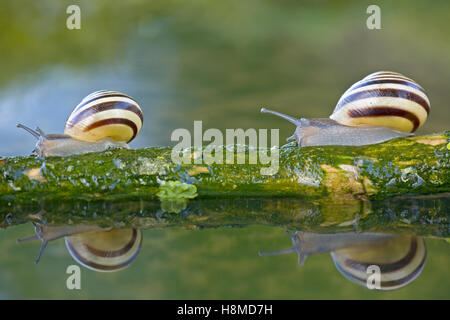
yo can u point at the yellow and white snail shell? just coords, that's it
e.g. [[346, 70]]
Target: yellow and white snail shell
[[106, 251], [104, 114], [400, 261], [386, 99]]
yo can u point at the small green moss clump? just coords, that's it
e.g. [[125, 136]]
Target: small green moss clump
[[176, 190]]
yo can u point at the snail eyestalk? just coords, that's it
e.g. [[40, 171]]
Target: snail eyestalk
[[41, 251], [35, 237], [276, 253], [35, 133], [281, 115], [41, 133], [43, 246], [295, 249]]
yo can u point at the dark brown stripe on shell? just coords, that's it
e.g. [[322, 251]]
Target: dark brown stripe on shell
[[393, 283], [112, 94], [395, 93], [104, 107], [385, 111], [117, 253], [105, 122], [404, 82], [388, 267]]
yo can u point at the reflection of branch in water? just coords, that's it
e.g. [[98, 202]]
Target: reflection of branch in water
[[425, 216], [400, 259], [96, 248]]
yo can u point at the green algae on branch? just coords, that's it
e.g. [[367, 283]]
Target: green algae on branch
[[176, 190], [416, 165]]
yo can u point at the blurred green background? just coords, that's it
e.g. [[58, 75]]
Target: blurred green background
[[216, 61]]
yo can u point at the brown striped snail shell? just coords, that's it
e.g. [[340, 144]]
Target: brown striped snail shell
[[107, 251], [96, 248], [382, 106], [400, 258], [101, 120]]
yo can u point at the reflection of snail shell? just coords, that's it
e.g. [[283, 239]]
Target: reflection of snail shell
[[400, 258], [106, 251], [96, 248], [399, 265]]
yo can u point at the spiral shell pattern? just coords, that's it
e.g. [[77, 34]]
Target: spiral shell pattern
[[105, 114], [400, 260], [105, 251], [386, 99]]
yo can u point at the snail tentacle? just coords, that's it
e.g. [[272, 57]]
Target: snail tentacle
[[281, 115], [34, 133]]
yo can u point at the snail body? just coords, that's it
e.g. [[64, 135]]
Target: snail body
[[49, 233], [96, 248], [400, 258], [382, 106], [102, 120]]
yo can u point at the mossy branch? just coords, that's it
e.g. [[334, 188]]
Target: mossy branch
[[417, 165]]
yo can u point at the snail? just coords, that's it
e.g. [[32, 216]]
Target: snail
[[400, 258], [105, 251], [96, 248], [102, 120], [382, 106]]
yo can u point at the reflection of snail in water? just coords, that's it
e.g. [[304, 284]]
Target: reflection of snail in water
[[400, 258], [101, 120], [382, 106], [93, 247]]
